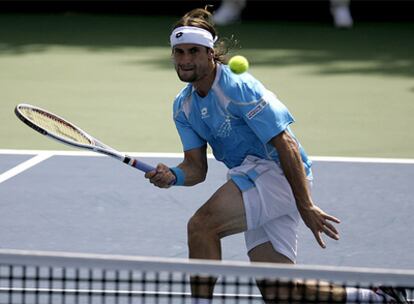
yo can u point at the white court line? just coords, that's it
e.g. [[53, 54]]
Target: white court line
[[363, 160], [180, 155], [90, 153], [24, 166]]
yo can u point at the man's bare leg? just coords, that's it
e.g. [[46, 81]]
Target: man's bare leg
[[222, 215], [292, 292]]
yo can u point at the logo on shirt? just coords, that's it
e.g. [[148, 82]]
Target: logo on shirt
[[225, 128], [204, 113], [257, 109]]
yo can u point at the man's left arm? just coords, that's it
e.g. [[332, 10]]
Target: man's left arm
[[290, 159]]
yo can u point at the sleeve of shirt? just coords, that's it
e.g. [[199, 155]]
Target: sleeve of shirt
[[189, 138], [267, 117]]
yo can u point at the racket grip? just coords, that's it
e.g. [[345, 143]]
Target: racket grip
[[138, 164], [143, 166]]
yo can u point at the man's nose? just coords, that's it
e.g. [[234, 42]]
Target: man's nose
[[187, 58]]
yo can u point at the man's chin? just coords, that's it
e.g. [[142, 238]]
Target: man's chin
[[187, 77]]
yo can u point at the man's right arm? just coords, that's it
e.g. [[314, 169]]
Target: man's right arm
[[194, 167]]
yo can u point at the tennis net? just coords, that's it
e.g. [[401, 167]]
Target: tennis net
[[54, 277]]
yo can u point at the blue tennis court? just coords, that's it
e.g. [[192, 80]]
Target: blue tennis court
[[82, 202]]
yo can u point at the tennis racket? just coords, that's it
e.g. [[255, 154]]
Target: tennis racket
[[58, 128]]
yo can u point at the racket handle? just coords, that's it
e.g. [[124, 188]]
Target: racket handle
[[138, 164], [142, 166]]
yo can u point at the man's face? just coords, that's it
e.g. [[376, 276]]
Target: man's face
[[192, 61]]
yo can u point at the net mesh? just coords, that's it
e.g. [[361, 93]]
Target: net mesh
[[54, 125], [40, 277]]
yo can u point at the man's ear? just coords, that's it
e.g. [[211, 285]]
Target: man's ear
[[210, 53]]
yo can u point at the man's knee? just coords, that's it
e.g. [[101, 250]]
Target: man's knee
[[200, 225]]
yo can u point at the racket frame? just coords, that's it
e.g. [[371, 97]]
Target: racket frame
[[95, 145]]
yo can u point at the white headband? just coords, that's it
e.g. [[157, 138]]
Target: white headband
[[193, 35]]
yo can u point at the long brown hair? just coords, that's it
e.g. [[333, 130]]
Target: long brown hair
[[202, 18]]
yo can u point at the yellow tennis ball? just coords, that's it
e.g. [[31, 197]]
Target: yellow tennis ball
[[238, 64]]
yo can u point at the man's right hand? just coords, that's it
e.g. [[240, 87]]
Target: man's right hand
[[161, 177]]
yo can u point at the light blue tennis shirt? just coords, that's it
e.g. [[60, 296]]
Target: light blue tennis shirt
[[238, 117]]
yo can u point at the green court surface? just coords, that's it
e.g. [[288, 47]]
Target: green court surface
[[351, 92]]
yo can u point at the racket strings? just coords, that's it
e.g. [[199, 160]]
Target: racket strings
[[55, 125]]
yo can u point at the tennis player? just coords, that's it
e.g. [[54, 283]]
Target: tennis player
[[269, 177]]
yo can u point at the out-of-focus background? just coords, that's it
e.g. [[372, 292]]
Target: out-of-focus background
[[99, 62]]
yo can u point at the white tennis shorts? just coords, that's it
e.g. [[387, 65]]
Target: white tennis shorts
[[270, 206]]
